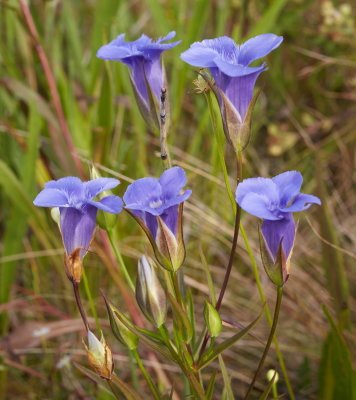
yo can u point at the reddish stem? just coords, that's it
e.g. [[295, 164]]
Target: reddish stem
[[52, 85]]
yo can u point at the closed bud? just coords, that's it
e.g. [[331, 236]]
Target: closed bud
[[212, 320], [150, 295], [120, 331], [73, 266], [278, 268], [99, 356], [271, 373]]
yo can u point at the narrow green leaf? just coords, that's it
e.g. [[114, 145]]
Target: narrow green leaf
[[207, 359], [337, 379], [227, 381], [182, 320], [158, 346], [210, 388]]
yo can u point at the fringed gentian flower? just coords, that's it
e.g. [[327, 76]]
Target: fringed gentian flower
[[78, 213], [157, 206], [229, 66], [143, 56], [274, 200]]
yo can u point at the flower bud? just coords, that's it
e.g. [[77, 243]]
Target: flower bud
[[99, 356], [150, 295], [212, 319], [277, 268], [270, 374], [73, 266], [120, 331]]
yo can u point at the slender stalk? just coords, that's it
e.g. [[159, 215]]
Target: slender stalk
[[232, 253], [149, 381], [268, 314], [269, 341], [254, 265], [133, 370], [194, 383], [177, 293], [220, 150], [234, 241], [91, 302], [79, 305], [114, 391], [52, 85], [275, 391], [120, 259], [165, 157]]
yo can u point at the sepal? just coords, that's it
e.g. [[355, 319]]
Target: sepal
[[278, 268], [160, 258], [237, 132], [172, 247], [151, 339], [99, 356], [150, 110], [120, 330], [73, 266], [169, 250]]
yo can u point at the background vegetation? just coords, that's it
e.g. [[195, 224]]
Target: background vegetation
[[304, 120]]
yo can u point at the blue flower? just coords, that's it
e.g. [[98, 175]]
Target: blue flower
[[77, 208], [229, 65], [156, 205], [275, 200], [143, 58], [150, 197]]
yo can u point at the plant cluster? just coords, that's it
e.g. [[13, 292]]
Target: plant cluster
[[157, 206]]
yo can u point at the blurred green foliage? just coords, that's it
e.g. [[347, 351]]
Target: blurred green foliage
[[304, 119]]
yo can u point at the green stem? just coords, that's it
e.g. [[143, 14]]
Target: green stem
[[248, 248], [269, 341], [268, 313], [90, 298], [177, 289], [220, 150], [275, 391], [133, 370], [120, 259], [113, 389], [149, 381], [254, 265], [194, 383]]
